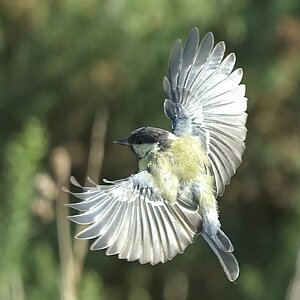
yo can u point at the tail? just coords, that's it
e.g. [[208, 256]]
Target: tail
[[223, 248]]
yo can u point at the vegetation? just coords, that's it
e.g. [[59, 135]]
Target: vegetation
[[68, 65]]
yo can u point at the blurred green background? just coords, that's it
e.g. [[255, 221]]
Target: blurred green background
[[77, 74]]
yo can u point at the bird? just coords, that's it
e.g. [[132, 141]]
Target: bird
[[155, 214]]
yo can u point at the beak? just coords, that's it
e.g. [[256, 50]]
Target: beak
[[122, 142]]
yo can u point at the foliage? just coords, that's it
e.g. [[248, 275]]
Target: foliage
[[22, 156]]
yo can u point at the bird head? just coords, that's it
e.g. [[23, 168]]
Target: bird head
[[147, 139]]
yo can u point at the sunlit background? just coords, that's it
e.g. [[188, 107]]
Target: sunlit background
[[77, 74]]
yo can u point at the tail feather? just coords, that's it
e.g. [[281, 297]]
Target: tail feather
[[223, 248], [222, 241]]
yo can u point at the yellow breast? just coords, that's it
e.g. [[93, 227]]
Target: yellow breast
[[183, 162], [190, 158]]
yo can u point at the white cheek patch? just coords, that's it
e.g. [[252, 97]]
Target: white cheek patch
[[142, 149]]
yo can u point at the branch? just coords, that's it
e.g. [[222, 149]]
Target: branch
[[93, 170], [61, 163]]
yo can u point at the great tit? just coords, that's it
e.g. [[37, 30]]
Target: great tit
[[153, 215]]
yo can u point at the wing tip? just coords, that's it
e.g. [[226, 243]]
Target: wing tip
[[65, 189], [166, 85], [74, 181], [209, 35], [239, 71], [91, 181], [77, 236], [177, 46], [221, 45], [74, 220], [232, 56], [194, 34], [195, 29]]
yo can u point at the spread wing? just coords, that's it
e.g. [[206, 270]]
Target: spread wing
[[207, 100], [130, 218]]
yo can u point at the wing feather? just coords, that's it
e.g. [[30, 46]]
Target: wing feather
[[156, 239], [162, 234], [147, 252], [128, 234], [136, 251], [106, 240], [130, 218], [170, 232], [119, 238], [204, 50], [207, 100], [188, 57]]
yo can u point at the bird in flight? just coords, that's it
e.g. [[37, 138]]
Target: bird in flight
[[155, 214]]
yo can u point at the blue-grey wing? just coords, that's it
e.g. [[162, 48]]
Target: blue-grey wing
[[130, 218], [206, 99]]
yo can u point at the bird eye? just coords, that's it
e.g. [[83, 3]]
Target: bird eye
[[138, 142]]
